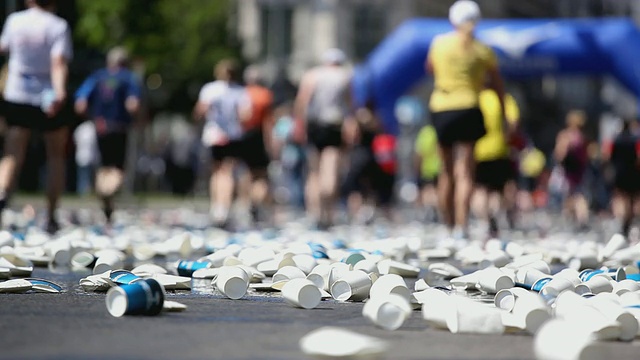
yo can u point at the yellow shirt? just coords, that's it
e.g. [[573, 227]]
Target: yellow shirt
[[459, 73], [427, 148], [493, 146]]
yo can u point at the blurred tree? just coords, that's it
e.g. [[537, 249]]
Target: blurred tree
[[180, 40]]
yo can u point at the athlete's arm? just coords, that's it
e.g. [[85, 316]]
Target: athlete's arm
[[202, 106], [560, 150], [134, 94], [497, 84], [61, 53], [83, 94], [304, 97]]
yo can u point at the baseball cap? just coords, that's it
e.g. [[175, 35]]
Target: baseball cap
[[463, 11]]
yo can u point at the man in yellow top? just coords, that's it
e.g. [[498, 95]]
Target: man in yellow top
[[494, 168], [460, 64], [427, 164]]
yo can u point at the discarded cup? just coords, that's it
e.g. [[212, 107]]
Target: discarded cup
[[83, 259], [388, 312], [390, 284], [107, 261], [187, 268], [340, 343], [232, 281], [354, 286], [595, 285], [302, 293], [123, 277], [143, 297], [492, 280]]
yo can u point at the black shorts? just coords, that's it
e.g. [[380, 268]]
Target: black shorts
[[494, 175], [422, 182], [366, 176], [231, 150], [252, 150], [458, 126], [627, 181], [31, 117], [113, 149], [324, 136]]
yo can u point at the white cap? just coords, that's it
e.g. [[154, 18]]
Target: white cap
[[334, 56], [463, 11]]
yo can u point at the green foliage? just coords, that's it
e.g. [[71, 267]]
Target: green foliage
[[179, 39]]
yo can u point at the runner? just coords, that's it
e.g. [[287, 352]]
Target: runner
[[224, 105], [255, 141], [460, 64], [39, 46], [571, 155], [110, 97], [86, 156], [323, 103], [494, 169], [623, 156], [371, 169], [427, 163]]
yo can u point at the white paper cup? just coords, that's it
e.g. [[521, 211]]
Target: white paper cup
[[497, 258], [388, 312], [528, 276], [569, 274], [595, 285], [630, 299], [492, 280], [556, 286], [444, 270], [472, 317], [577, 309], [437, 307], [232, 282], [338, 271], [107, 261], [367, 265], [505, 299], [82, 259], [301, 293], [288, 273], [59, 251], [562, 339], [612, 309], [305, 262], [587, 261], [528, 313], [390, 284], [254, 256], [354, 286], [320, 276], [617, 242]]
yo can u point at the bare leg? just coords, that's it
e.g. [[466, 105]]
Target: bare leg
[[221, 188], [446, 186], [464, 177], [621, 205], [328, 178], [14, 151], [312, 186], [55, 143], [108, 183], [581, 208]]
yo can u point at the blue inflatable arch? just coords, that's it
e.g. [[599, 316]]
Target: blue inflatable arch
[[526, 48]]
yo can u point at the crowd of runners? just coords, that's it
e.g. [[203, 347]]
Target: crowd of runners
[[472, 157]]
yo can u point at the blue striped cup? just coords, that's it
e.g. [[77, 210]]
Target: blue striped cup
[[142, 297]]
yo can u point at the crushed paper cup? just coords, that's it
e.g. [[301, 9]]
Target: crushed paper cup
[[341, 343], [44, 286], [529, 276], [354, 286], [367, 265], [305, 262], [254, 256], [437, 307], [143, 297], [420, 285], [466, 281], [232, 282], [123, 277], [491, 280], [616, 312], [82, 260], [497, 258], [505, 299], [15, 286], [402, 269], [529, 312], [471, 317], [560, 339], [173, 306], [390, 284], [148, 270], [173, 282], [576, 309], [556, 286], [18, 266], [265, 287], [388, 312], [301, 293], [445, 270], [287, 273], [187, 268], [5, 273], [625, 286], [207, 273]]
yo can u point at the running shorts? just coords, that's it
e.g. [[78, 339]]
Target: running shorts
[[458, 126]]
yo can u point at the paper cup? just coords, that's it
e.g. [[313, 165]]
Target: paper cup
[[142, 297], [562, 339], [301, 293], [107, 261], [354, 286], [83, 259], [305, 262], [497, 258], [388, 312], [444, 270], [617, 242], [529, 276], [529, 312], [437, 307], [557, 285], [472, 317], [613, 310], [492, 280], [59, 251], [338, 271], [367, 265], [595, 285], [505, 299], [320, 276], [353, 259], [288, 273], [390, 284], [232, 282], [187, 268], [569, 274]]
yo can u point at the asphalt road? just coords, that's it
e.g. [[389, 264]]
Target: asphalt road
[[76, 325]]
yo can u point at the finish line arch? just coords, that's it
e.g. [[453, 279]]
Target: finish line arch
[[526, 48]]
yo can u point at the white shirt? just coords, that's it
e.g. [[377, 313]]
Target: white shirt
[[33, 37], [224, 101], [86, 144], [328, 103]]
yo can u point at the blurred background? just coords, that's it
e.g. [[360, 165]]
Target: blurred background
[[175, 44]]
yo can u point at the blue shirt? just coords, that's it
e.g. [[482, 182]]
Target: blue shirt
[[107, 91]]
